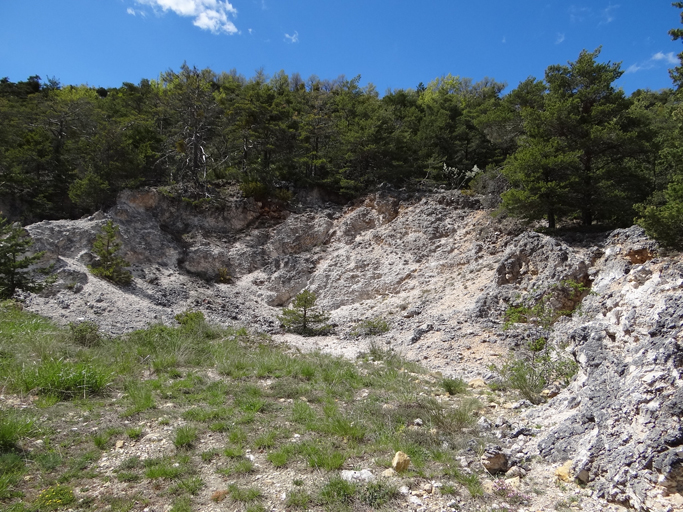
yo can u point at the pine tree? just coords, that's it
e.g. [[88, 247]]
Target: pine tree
[[14, 265], [304, 317], [110, 266]]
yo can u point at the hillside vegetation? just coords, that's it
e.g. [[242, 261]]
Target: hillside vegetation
[[571, 148], [194, 415]]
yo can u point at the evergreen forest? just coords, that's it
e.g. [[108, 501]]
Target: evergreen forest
[[570, 150]]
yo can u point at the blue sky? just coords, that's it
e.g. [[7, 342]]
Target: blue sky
[[393, 44]]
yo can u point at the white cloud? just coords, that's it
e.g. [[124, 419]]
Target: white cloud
[[560, 38], [670, 57], [130, 11], [293, 38], [250, 31], [607, 14], [578, 14], [212, 15]]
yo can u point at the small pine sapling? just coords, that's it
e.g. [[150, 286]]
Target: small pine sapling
[[303, 317], [110, 266]]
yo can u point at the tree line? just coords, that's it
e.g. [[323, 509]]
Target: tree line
[[570, 149]]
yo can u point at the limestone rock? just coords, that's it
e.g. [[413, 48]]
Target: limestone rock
[[364, 475], [477, 383], [564, 472], [494, 459], [400, 462]]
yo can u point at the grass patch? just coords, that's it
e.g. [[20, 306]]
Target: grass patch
[[306, 412], [185, 437], [244, 494], [13, 427], [455, 386]]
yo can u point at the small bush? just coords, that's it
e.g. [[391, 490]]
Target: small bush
[[55, 497], [223, 276], [371, 327], [531, 375], [85, 334], [455, 386]]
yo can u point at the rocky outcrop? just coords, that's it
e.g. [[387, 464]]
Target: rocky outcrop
[[621, 417], [441, 272]]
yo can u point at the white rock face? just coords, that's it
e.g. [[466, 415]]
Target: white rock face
[[441, 272]]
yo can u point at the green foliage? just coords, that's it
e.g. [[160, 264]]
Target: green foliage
[[85, 334], [371, 327], [582, 156], [455, 386], [541, 364], [15, 272], [531, 374], [110, 266], [298, 498], [223, 276], [185, 437], [304, 317], [558, 300], [244, 495], [134, 433], [664, 222], [65, 379], [190, 317], [13, 427], [338, 491], [377, 494], [55, 497]]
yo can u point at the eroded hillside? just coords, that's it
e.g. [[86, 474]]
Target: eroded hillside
[[442, 272]]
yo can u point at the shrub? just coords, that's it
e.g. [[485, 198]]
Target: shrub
[[371, 327], [55, 497], [530, 375], [110, 266], [663, 222], [545, 311], [304, 317], [223, 276], [85, 334], [455, 386]]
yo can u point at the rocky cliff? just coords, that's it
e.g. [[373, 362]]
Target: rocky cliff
[[441, 271]]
